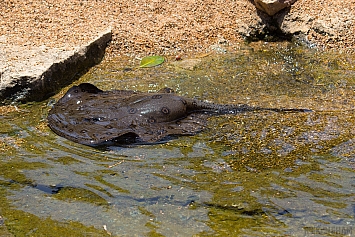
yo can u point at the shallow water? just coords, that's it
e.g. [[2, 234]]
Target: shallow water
[[250, 174]]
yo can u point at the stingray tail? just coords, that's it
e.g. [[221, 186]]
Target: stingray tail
[[285, 110], [203, 106], [230, 109]]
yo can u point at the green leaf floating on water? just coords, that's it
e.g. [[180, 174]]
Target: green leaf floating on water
[[151, 61]]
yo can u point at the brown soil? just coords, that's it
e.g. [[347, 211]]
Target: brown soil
[[156, 26]]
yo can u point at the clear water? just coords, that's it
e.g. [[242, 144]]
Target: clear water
[[250, 174]]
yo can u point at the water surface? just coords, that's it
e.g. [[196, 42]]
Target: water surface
[[250, 174]]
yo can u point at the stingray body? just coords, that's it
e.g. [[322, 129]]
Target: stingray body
[[90, 116]]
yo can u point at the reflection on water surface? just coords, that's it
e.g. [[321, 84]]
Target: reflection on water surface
[[252, 174]]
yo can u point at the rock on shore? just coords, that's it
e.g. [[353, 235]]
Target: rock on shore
[[271, 7], [35, 73]]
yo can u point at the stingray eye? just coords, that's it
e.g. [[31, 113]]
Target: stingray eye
[[151, 120], [76, 91], [156, 97], [83, 131], [132, 110], [165, 110]]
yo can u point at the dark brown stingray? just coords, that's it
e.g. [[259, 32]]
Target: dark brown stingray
[[90, 116]]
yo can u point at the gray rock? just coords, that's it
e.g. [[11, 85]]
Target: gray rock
[[295, 24], [36, 73], [291, 23]]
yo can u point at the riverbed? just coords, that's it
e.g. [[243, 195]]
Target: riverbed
[[249, 174]]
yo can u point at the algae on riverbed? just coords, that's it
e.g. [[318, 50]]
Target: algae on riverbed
[[248, 174], [20, 223]]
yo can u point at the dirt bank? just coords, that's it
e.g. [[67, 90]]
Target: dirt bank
[[165, 27]]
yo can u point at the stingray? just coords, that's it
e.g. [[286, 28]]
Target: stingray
[[90, 116]]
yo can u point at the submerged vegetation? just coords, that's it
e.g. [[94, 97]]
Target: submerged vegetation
[[248, 174]]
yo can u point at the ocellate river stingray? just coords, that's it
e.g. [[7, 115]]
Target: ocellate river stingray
[[90, 116]]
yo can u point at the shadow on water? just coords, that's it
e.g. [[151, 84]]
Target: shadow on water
[[250, 174]]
